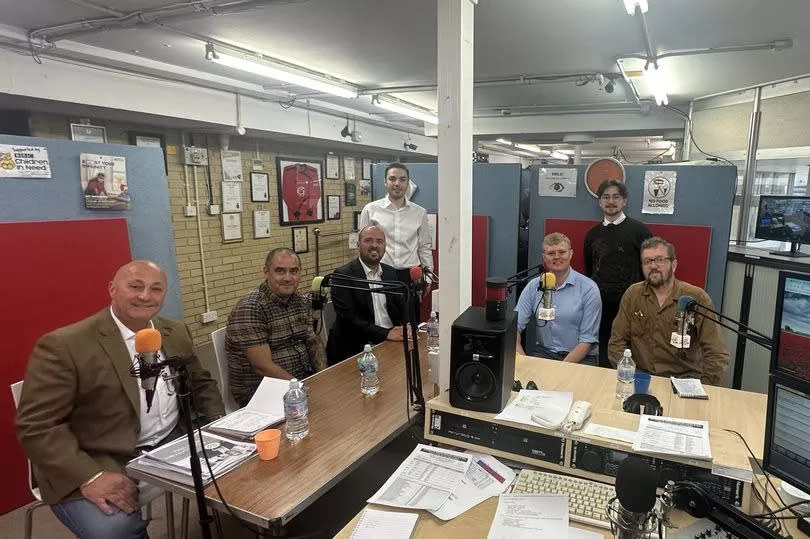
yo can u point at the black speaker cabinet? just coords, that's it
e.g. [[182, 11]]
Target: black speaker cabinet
[[482, 361]]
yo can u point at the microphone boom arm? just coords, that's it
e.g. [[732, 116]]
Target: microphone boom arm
[[743, 331]]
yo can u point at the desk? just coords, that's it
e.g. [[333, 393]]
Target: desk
[[344, 429]]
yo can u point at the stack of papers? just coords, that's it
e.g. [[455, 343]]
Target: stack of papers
[[374, 524], [265, 408], [688, 388], [486, 477], [549, 408], [672, 436], [529, 516], [173, 462]]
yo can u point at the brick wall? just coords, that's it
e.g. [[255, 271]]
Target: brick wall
[[231, 269]]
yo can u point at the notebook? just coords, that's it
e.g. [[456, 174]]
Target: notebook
[[374, 524], [688, 388]]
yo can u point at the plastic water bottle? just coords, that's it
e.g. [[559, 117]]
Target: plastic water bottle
[[625, 375], [433, 333], [296, 409], [369, 379]]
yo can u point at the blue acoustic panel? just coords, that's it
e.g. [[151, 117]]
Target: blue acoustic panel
[[60, 198]]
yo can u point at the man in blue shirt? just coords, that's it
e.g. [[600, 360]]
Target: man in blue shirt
[[573, 335]]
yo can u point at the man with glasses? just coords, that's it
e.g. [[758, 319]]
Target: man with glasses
[[612, 250], [573, 334], [647, 319]]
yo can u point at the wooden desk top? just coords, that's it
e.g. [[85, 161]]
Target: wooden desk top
[[344, 428]]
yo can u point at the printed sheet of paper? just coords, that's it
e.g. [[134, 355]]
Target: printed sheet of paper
[[551, 406], [611, 433], [530, 516], [673, 436], [425, 480], [374, 524], [485, 478]]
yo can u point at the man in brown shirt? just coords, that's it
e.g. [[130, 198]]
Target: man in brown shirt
[[647, 318]]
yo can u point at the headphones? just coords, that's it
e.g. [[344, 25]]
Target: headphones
[[651, 405]]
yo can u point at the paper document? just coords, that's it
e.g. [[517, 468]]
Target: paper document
[[689, 388], [577, 533], [374, 524], [425, 480], [611, 433], [673, 436], [549, 406], [530, 516], [265, 408], [485, 478]]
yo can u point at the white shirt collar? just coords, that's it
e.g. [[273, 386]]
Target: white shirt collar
[[389, 202], [370, 272], [618, 220], [126, 333]]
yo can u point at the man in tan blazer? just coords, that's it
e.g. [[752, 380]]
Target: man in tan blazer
[[82, 416]]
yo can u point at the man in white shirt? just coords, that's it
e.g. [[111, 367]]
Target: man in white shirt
[[404, 223], [82, 415], [364, 317]]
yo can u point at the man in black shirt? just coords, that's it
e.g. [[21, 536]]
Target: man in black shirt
[[612, 255]]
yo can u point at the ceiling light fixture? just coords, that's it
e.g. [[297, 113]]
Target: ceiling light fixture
[[559, 155], [630, 6], [404, 108], [654, 76], [264, 68], [503, 141]]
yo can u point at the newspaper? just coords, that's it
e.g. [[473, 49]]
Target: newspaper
[[425, 480], [173, 459]]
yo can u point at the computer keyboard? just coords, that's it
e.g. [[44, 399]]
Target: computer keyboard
[[587, 500]]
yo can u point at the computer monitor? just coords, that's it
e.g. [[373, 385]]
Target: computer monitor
[[791, 331], [787, 446], [784, 218]]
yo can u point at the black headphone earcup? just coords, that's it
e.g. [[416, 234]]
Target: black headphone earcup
[[652, 406]]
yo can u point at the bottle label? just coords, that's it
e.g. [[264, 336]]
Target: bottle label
[[297, 411]]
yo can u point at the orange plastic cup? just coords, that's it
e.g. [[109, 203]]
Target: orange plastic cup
[[267, 442]]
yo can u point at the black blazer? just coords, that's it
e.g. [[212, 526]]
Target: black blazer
[[354, 323]]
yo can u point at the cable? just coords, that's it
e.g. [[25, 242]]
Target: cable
[[692, 135]]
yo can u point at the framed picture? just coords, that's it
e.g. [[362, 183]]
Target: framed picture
[[333, 207], [149, 140], [261, 224], [231, 227], [349, 166], [300, 239], [259, 187], [300, 191], [332, 166], [351, 194], [356, 220], [367, 164], [231, 197], [88, 133]]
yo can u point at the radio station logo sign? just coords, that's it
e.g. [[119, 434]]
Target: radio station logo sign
[[659, 191], [24, 162]]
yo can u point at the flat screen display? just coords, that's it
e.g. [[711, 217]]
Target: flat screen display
[[787, 446], [784, 218], [791, 354]]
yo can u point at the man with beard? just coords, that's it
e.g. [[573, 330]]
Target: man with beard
[[612, 252], [362, 317], [647, 318]]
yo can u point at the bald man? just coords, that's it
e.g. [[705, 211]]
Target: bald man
[[82, 416]]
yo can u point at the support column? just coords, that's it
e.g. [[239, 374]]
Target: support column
[[750, 168], [455, 98]]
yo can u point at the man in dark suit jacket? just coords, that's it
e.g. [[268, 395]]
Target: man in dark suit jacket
[[82, 416], [363, 317]]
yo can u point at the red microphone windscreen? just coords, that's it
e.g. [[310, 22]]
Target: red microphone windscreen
[[497, 289], [147, 341], [416, 273]]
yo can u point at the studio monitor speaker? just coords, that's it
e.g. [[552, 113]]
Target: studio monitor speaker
[[482, 361]]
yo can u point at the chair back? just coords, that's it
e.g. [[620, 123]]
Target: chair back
[[16, 393], [218, 339]]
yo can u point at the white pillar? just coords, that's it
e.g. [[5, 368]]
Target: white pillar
[[578, 154], [455, 98]]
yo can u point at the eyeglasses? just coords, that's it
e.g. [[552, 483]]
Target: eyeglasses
[[608, 198], [561, 252], [659, 260]]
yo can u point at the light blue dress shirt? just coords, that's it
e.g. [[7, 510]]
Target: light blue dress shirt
[[578, 311]]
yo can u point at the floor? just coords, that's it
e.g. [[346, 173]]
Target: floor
[[322, 519]]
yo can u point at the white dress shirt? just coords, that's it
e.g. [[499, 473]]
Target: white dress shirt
[[381, 317], [618, 220], [163, 416], [407, 232]]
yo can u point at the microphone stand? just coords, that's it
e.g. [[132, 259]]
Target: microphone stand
[[179, 375]]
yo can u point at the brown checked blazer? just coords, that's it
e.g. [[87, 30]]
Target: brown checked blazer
[[79, 410]]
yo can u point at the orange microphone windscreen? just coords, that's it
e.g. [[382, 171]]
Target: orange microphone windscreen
[[147, 341]]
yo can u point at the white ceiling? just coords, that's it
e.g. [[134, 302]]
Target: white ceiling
[[375, 43]]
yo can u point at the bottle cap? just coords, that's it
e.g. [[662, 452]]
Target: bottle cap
[[294, 383], [367, 348], [432, 314], [627, 352]]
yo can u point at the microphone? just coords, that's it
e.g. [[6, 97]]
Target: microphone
[[147, 346], [631, 512], [547, 283], [434, 277], [497, 292], [317, 297], [418, 279], [685, 318]]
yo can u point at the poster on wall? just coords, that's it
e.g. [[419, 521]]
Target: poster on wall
[[332, 166], [659, 191], [300, 190], [261, 224], [103, 181], [365, 187], [558, 182], [351, 194], [231, 197], [349, 169], [231, 166], [24, 162]]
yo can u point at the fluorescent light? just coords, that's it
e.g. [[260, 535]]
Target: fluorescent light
[[265, 69], [654, 77], [405, 108], [630, 6], [503, 141], [559, 155], [528, 147]]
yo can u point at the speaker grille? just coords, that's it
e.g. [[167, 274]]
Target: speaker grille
[[475, 381]]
